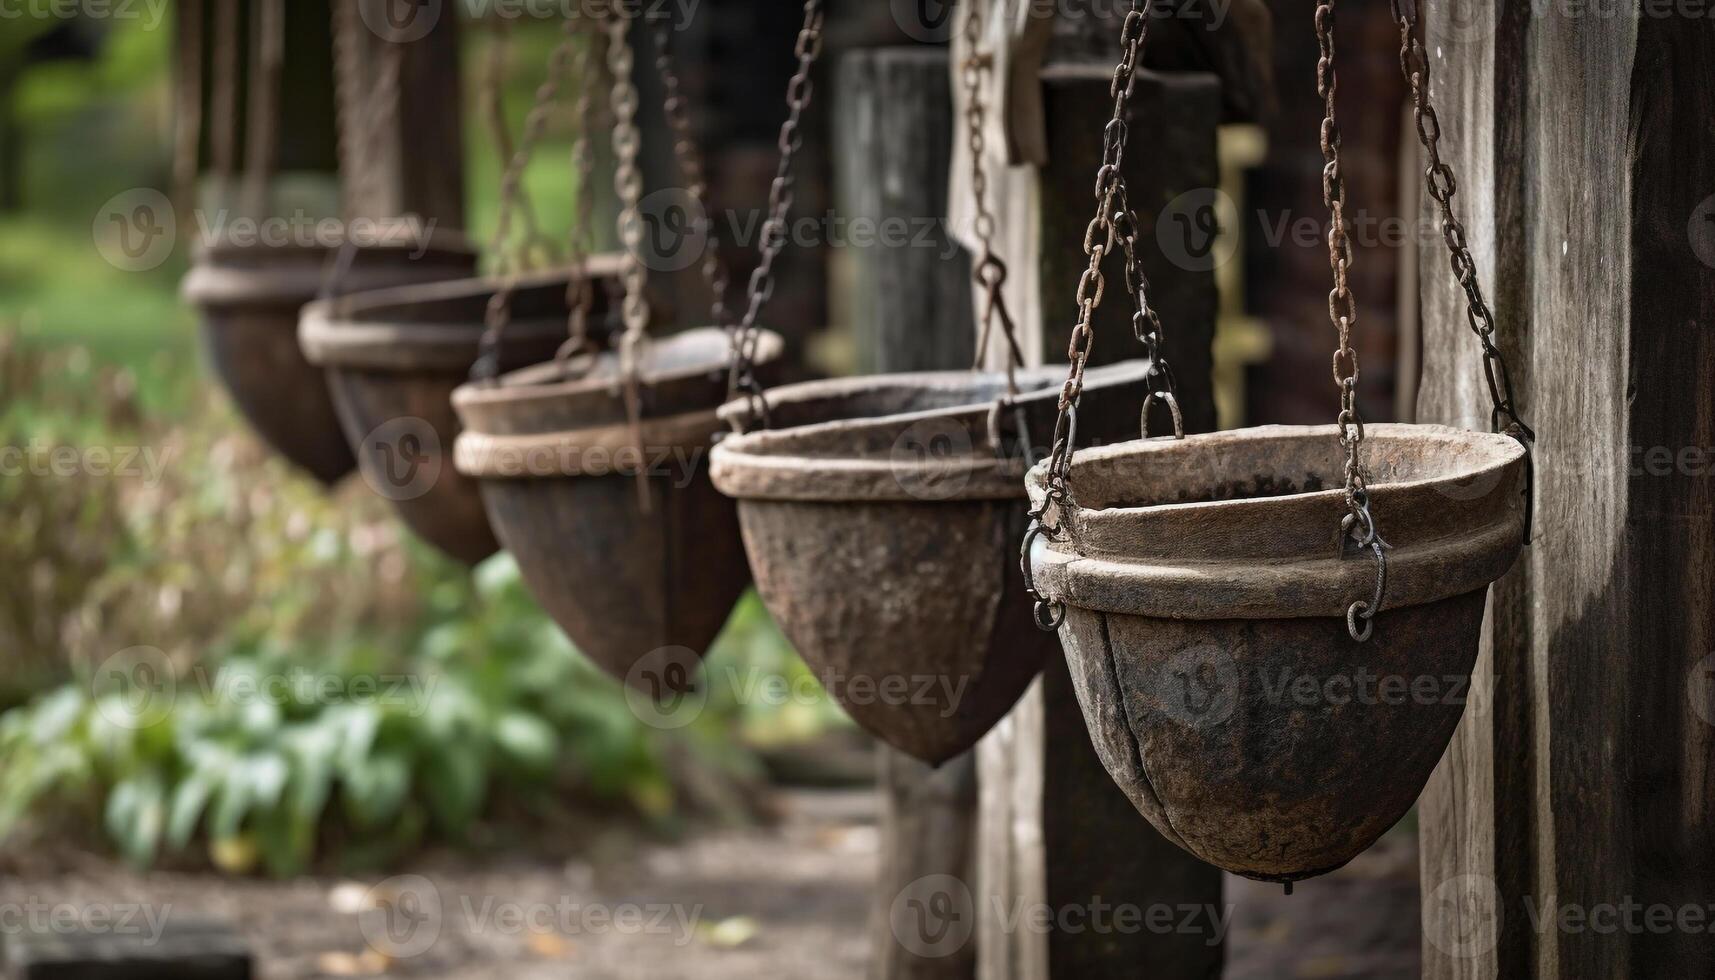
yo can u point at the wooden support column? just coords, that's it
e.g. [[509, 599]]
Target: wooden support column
[[1570, 831], [1055, 833], [907, 308], [415, 166]]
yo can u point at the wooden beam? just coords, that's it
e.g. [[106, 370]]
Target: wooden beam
[[906, 308], [404, 157], [1580, 802], [1056, 834]]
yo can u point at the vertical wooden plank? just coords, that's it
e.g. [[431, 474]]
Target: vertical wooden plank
[[1055, 833], [1579, 806], [1670, 515], [908, 307], [1462, 818], [416, 166]]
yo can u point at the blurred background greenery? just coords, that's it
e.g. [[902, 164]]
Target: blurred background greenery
[[232, 565]]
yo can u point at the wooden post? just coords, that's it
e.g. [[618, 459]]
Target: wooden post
[[906, 307], [1055, 834], [1570, 831], [416, 166]]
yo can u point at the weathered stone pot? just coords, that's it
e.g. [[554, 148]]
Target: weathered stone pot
[[1205, 629], [557, 464], [250, 297], [393, 359], [882, 527]]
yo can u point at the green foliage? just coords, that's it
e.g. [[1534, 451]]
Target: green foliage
[[271, 760]]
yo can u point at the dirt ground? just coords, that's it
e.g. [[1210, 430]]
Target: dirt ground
[[784, 901]]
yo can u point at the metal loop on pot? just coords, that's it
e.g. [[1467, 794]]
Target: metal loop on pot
[[1048, 613], [1172, 404], [1360, 527], [1021, 426], [755, 406]]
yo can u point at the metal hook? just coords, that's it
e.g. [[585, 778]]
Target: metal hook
[[1173, 404], [1021, 423], [1049, 614], [1367, 611]]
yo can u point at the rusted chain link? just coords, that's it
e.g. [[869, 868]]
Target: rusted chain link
[[677, 109], [1113, 224], [580, 289], [990, 271], [513, 199], [628, 183], [1359, 525], [800, 90], [1442, 185]]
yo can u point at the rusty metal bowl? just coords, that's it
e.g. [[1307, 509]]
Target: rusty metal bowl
[[393, 359], [882, 523], [250, 297], [1205, 629], [556, 461]]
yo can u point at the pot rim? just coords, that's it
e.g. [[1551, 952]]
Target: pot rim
[[295, 273], [679, 407], [771, 464], [359, 331], [1451, 531]]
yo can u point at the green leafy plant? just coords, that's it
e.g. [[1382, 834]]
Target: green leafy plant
[[270, 762]]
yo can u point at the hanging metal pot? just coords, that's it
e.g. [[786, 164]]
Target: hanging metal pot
[[558, 462], [1205, 602], [393, 359], [881, 520], [250, 297]]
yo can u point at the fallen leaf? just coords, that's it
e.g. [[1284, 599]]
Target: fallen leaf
[[731, 933], [550, 946]]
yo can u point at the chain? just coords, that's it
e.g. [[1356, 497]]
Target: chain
[[512, 197], [262, 142], [799, 92], [580, 289], [677, 109], [991, 272], [1114, 224], [628, 182], [1359, 525], [1442, 185]]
